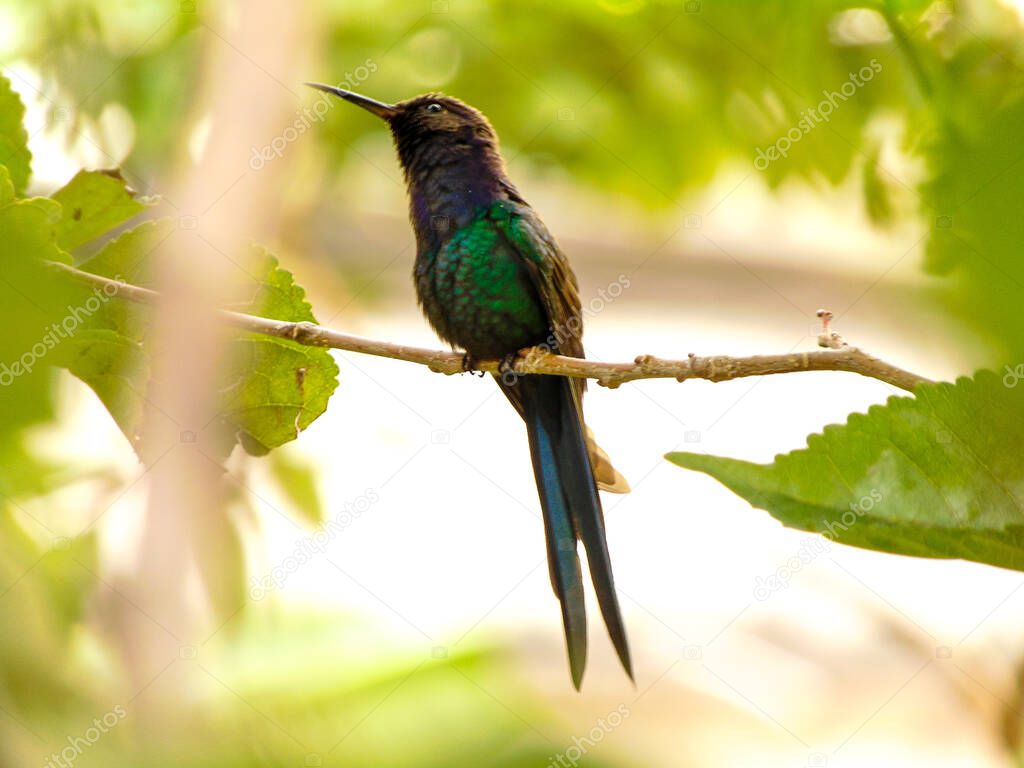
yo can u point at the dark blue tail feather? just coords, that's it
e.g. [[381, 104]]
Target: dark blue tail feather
[[572, 512]]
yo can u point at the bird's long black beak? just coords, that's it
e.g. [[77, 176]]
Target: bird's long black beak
[[379, 108]]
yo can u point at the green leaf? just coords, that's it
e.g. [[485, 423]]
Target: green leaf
[[271, 389], [108, 353], [277, 295], [876, 191], [115, 367], [29, 229], [975, 231], [32, 299], [280, 387], [938, 475], [220, 562], [94, 203], [6, 186], [297, 480], [14, 151], [127, 257]]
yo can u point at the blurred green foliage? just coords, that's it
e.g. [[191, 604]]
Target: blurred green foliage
[[641, 100], [644, 99]]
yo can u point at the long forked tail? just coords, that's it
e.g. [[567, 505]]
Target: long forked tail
[[572, 512]]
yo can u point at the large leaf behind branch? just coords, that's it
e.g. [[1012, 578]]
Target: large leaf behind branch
[[94, 202], [271, 388]]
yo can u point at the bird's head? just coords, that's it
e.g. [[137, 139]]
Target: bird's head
[[428, 128]]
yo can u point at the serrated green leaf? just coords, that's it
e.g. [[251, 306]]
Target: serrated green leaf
[[938, 475], [94, 202], [277, 295], [281, 389], [272, 388], [14, 152]]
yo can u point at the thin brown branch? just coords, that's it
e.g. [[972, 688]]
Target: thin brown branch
[[838, 356]]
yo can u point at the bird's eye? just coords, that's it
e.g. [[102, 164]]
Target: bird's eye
[[434, 107]]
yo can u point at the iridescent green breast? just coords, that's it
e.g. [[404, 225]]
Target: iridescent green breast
[[476, 289]]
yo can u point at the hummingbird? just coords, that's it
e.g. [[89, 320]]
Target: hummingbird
[[492, 281]]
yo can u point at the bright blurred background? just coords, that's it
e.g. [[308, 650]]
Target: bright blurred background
[[375, 593]]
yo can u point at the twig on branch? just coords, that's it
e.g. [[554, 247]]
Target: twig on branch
[[838, 356]]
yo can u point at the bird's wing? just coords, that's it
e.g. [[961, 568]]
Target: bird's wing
[[551, 275], [558, 290]]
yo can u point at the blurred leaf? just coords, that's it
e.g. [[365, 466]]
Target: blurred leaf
[[273, 388], [6, 186], [69, 572], [296, 477], [876, 192], [220, 561], [108, 353], [29, 229], [977, 232], [94, 203], [115, 368], [14, 152], [31, 300], [938, 475], [127, 257], [43, 596]]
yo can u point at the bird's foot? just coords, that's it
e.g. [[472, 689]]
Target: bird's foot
[[470, 364], [507, 367]]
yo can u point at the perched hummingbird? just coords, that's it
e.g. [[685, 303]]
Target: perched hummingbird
[[492, 281]]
